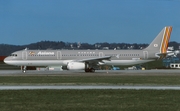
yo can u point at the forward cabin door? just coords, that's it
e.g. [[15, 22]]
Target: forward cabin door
[[145, 54], [24, 55], [59, 56]]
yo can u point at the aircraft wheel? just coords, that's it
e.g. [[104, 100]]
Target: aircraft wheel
[[24, 71], [86, 70], [92, 70]]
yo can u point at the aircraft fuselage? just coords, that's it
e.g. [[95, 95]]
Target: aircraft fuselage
[[62, 57]]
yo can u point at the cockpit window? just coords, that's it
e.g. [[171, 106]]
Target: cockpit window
[[14, 55]]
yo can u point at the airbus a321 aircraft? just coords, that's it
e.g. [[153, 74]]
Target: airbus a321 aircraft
[[88, 59]]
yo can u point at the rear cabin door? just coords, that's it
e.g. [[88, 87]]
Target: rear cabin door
[[145, 54]]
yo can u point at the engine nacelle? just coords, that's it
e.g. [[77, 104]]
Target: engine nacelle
[[76, 66]]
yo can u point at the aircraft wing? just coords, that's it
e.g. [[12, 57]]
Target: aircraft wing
[[95, 60]]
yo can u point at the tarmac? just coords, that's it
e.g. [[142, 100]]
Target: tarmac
[[98, 72], [73, 72]]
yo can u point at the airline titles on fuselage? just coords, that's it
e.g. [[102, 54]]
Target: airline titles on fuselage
[[41, 53], [45, 53]]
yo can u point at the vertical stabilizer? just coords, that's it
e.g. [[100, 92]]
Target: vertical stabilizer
[[160, 43]]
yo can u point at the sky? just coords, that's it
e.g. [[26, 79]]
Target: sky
[[87, 21]]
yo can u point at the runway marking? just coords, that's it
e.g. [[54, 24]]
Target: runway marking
[[82, 87]]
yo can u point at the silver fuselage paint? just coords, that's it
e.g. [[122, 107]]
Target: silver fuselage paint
[[62, 57]]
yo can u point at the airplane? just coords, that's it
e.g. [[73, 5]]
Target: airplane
[[172, 53], [87, 60]]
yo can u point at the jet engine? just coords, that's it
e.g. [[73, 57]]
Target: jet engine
[[76, 66]]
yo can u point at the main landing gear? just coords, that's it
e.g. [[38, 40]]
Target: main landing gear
[[88, 68]]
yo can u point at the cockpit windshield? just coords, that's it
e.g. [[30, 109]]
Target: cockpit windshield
[[14, 55]]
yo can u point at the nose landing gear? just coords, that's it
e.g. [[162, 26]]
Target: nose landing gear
[[23, 69]]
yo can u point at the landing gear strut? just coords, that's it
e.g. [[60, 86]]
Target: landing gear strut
[[88, 68], [23, 69]]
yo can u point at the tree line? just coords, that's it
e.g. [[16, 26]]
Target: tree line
[[6, 49]]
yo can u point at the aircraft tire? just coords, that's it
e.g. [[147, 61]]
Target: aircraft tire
[[86, 70], [92, 70], [24, 71]]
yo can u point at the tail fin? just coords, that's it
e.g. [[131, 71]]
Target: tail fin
[[160, 43]]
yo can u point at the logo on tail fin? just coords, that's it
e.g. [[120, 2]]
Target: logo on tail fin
[[155, 45], [165, 39]]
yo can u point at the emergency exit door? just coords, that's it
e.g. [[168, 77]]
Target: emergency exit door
[[59, 55], [24, 55]]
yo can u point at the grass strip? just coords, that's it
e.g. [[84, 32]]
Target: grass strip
[[77, 80], [89, 100]]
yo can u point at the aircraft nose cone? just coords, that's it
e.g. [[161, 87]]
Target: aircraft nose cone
[[6, 60]]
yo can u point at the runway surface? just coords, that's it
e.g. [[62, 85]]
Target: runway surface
[[89, 87], [98, 72], [17, 72]]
